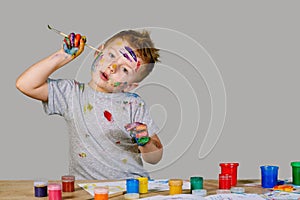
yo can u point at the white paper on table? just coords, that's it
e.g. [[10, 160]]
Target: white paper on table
[[113, 186], [120, 186], [176, 197]]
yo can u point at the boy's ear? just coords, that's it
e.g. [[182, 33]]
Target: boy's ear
[[101, 47], [130, 87]]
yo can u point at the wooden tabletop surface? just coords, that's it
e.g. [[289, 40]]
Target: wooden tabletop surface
[[23, 189]]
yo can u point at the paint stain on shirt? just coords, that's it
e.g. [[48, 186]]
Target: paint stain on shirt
[[108, 116], [124, 161], [87, 107], [82, 155]]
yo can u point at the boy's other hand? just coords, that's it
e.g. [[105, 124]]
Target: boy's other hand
[[74, 44], [139, 132]]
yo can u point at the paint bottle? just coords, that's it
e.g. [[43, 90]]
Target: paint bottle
[[40, 188], [100, 193], [175, 186], [296, 172], [131, 196], [132, 186], [54, 191], [143, 185], [230, 168], [196, 183], [68, 183], [225, 181]]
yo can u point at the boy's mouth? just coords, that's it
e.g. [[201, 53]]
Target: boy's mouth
[[104, 76]]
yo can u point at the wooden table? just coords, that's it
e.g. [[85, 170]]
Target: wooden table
[[23, 190]]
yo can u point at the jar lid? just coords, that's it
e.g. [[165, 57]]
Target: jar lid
[[54, 186], [132, 181], [229, 164], [40, 183], [295, 164], [238, 190], [175, 182], [143, 179], [132, 196], [199, 192], [100, 190], [223, 191], [68, 178], [196, 178]]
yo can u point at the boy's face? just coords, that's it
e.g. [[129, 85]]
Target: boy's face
[[116, 69]]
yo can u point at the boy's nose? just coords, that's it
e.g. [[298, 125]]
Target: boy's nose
[[113, 68]]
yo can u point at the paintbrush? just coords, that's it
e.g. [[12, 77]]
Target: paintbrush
[[65, 35]]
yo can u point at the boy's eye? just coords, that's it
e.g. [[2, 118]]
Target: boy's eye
[[111, 55], [125, 70]]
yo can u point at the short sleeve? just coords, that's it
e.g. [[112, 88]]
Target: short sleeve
[[141, 114], [59, 96]]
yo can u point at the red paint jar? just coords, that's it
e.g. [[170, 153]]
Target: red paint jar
[[68, 183], [225, 181], [54, 191], [230, 168]]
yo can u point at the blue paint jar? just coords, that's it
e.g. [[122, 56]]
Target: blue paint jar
[[40, 188], [132, 186]]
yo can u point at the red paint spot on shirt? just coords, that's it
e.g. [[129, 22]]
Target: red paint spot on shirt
[[108, 115]]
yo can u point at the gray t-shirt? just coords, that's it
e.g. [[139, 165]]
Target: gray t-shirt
[[100, 147]]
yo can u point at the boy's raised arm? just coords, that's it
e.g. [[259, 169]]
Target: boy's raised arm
[[33, 81]]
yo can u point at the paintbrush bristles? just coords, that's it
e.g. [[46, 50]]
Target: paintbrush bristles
[[65, 35]]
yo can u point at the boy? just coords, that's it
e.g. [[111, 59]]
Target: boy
[[110, 129]]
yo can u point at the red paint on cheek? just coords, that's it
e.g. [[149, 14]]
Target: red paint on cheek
[[108, 115]]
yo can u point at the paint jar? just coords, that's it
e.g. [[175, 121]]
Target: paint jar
[[175, 186], [223, 191], [143, 185], [40, 188], [225, 181], [230, 168], [132, 185], [196, 183], [54, 191], [68, 183], [199, 192], [131, 196], [269, 176], [296, 172], [100, 193], [237, 190]]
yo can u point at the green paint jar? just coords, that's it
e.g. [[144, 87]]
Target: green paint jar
[[296, 172], [196, 183]]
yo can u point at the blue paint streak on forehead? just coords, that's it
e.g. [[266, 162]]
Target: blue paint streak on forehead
[[131, 53], [122, 51]]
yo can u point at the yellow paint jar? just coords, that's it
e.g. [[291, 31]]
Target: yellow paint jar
[[143, 185], [175, 186]]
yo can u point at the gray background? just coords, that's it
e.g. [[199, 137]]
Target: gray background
[[254, 45]]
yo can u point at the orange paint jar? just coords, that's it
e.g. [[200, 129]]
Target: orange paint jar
[[100, 193]]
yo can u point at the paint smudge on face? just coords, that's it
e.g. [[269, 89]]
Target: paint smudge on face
[[131, 53], [122, 51], [116, 84], [119, 43], [138, 64], [97, 60], [108, 115]]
